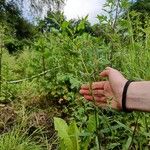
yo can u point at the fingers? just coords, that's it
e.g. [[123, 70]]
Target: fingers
[[102, 105], [97, 99], [95, 85], [93, 92]]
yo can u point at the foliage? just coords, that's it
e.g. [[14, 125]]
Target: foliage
[[70, 136], [142, 6], [56, 21], [53, 20], [18, 31], [46, 75]]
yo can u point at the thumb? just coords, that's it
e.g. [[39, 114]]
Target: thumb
[[105, 73], [113, 74]]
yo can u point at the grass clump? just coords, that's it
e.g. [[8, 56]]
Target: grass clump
[[16, 140]]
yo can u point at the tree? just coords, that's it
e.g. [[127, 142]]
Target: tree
[[17, 29], [142, 6], [54, 19], [143, 9], [38, 7]]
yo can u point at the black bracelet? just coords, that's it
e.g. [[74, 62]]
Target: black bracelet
[[124, 96]]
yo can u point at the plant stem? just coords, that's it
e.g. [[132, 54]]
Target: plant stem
[[146, 123], [116, 14], [96, 118], [1, 49], [95, 109], [134, 131], [43, 61]]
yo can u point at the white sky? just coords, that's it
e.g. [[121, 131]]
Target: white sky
[[74, 9], [80, 8]]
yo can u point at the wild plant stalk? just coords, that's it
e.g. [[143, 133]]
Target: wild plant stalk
[[0, 69], [1, 51], [134, 131], [116, 14], [113, 27], [95, 108], [132, 41], [96, 117], [7, 93], [43, 56], [43, 61], [146, 124]]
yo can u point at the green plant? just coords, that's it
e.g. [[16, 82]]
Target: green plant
[[72, 137], [15, 140]]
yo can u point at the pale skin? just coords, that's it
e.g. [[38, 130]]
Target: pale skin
[[109, 93]]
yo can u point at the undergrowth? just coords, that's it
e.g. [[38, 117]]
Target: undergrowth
[[42, 82]]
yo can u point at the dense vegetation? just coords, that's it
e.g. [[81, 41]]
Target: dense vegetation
[[40, 107]]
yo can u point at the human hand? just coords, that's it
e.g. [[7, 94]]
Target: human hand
[[106, 93]]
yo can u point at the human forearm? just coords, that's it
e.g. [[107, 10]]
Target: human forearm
[[138, 96]]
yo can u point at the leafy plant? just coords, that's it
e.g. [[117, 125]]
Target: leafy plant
[[71, 137]]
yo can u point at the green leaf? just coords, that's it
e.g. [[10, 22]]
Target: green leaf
[[91, 128], [127, 145], [81, 25], [74, 135], [2, 98], [113, 145], [123, 126], [64, 25], [91, 124], [62, 128]]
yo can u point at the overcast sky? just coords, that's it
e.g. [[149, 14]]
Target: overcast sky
[[80, 8], [74, 9]]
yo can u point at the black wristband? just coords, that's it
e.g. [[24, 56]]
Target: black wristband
[[124, 96]]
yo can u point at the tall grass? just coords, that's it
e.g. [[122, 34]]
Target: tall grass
[[16, 140]]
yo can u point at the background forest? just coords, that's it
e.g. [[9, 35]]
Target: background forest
[[43, 64]]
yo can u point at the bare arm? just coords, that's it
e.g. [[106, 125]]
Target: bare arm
[[138, 94]]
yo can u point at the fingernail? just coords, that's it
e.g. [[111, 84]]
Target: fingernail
[[80, 91], [108, 68]]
